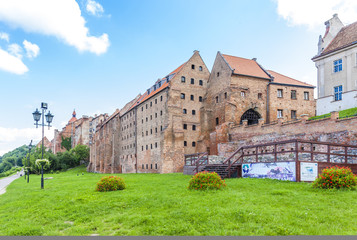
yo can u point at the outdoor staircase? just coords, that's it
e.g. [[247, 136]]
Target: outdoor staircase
[[221, 170]]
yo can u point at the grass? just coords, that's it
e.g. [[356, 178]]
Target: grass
[[341, 114], [154, 204]]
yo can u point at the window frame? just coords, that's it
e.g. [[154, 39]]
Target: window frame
[[293, 94], [337, 65], [337, 93], [281, 95]]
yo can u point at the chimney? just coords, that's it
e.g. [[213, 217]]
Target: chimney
[[254, 59]]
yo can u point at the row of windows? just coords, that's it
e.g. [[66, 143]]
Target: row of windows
[[192, 97], [127, 136], [126, 116], [185, 127], [128, 146], [184, 111], [280, 114], [151, 131], [127, 126], [146, 106], [147, 147], [147, 166], [292, 94], [185, 144], [147, 119], [183, 80]]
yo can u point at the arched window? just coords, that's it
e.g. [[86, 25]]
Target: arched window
[[252, 117]]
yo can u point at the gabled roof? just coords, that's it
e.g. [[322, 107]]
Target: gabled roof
[[347, 36], [282, 79], [243, 66]]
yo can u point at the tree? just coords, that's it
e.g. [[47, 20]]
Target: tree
[[81, 152], [66, 143]]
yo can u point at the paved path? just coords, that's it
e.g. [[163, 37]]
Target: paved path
[[4, 182]]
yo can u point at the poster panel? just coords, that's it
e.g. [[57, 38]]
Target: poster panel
[[275, 170], [308, 171]]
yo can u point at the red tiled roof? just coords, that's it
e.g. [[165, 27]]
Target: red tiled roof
[[280, 78], [146, 96], [245, 66], [345, 37]]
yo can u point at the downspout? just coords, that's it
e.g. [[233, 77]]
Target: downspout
[[267, 104], [136, 141]]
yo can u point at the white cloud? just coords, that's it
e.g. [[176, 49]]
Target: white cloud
[[10, 63], [4, 36], [11, 138], [15, 50], [60, 18], [94, 8], [32, 50], [315, 13]]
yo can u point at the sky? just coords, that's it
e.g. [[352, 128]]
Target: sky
[[94, 56]]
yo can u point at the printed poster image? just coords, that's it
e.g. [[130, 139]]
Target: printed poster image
[[276, 170], [308, 171]]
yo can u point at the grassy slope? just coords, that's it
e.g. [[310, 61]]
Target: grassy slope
[[156, 204], [341, 114]]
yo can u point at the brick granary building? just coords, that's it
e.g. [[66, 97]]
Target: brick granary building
[[176, 115]]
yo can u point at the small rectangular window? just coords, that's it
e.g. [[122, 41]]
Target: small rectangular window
[[155, 165], [184, 126], [217, 99], [259, 96], [293, 94], [193, 144], [193, 66], [306, 95], [280, 93], [280, 113], [192, 98], [192, 81], [242, 93], [184, 143], [194, 127], [200, 99], [217, 121], [183, 79], [182, 96], [225, 95], [200, 83], [293, 114], [193, 112], [338, 93], [200, 68], [184, 111], [337, 65]]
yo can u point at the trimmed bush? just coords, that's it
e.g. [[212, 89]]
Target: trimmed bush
[[336, 177], [206, 180], [110, 183]]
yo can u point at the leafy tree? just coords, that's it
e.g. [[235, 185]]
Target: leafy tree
[[66, 143], [81, 152]]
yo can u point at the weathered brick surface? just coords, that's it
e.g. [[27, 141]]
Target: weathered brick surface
[[327, 130]]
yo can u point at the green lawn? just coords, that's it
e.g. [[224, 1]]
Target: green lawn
[[155, 204], [341, 114]]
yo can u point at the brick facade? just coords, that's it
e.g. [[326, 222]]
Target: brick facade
[[182, 112]]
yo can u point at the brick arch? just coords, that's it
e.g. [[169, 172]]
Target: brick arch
[[251, 115]]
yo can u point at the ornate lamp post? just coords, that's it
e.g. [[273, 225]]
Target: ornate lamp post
[[28, 163], [36, 116]]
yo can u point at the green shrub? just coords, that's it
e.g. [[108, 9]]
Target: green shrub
[[57, 172], [336, 177], [110, 183], [206, 180]]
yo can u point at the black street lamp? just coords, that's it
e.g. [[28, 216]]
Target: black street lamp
[[28, 163], [36, 116]]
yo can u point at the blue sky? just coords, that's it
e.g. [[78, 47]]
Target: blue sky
[[95, 56]]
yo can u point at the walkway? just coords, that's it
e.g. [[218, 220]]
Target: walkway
[[4, 182]]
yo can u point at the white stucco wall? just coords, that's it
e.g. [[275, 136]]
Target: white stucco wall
[[327, 104]]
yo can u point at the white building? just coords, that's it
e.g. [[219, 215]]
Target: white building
[[336, 64]]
